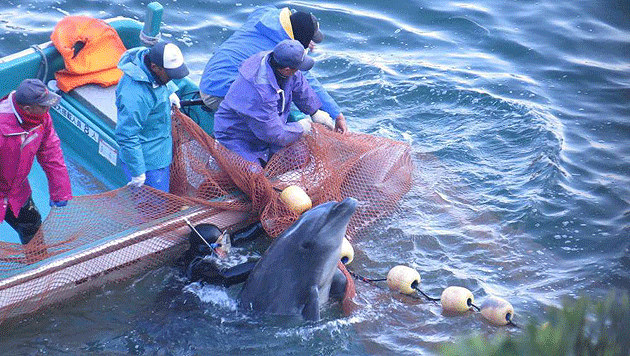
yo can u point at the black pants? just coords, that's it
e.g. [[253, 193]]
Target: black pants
[[27, 222]]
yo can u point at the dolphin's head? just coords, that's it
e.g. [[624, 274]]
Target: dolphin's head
[[323, 227], [294, 275], [321, 232]]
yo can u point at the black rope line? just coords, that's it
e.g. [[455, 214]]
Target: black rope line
[[424, 294], [511, 323], [366, 280]]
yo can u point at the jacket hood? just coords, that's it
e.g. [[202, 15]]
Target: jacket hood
[[270, 26], [132, 64], [257, 70], [9, 124]]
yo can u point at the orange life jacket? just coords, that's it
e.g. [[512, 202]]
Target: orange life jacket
[[90, 49]]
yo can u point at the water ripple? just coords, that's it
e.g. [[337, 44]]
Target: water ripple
[[518, 118]]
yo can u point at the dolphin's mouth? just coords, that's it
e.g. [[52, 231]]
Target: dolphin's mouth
[[340, 216]]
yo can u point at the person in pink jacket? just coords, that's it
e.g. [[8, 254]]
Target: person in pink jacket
[[26, 132]]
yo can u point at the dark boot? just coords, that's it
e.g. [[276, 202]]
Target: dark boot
[[27, 222]]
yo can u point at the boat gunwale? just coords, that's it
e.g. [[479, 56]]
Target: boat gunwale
[[113, 242], [98, 276]]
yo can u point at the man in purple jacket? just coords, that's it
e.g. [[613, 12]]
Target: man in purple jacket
[[252, 119], [26, 132]]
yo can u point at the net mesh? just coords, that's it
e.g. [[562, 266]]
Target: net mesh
[[327, 165], [118, 234]]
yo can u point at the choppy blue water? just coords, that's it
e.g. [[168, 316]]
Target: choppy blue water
[[519, 117]]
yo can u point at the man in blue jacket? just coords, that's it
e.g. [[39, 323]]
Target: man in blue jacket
[[252, 119], [144, 97], [265, 27]]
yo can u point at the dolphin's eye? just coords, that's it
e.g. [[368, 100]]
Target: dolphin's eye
[[307, 245]]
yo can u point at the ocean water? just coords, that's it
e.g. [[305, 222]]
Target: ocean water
[[518, 115]]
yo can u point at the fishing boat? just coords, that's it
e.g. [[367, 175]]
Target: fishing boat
[[85, 120], [123, 231]]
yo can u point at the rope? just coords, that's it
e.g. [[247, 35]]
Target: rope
[[425, 295], [150, 40], [44, 61]]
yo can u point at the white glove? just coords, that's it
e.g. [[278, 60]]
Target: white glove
[[322, 117], [306, 125], [174, 99], [137, 181]]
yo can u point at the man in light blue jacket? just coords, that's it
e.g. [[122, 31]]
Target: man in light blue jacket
[[144, 97], [264, 29], [252, 119]]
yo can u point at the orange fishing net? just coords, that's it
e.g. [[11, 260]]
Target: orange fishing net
[[327, 165], [118, 234]]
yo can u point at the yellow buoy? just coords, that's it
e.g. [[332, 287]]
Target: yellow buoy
[[296, 199], [347, 252], [457, 299], [403, 279], [497, 310]]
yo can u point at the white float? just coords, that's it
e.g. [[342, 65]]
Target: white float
[[457, 299], [403, 279], [347, 252], [296, 199], [497, 310]]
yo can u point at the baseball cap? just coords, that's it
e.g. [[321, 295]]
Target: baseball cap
[[305, 28], [169, 57], [35, 92], [318, 36], [290, 53]]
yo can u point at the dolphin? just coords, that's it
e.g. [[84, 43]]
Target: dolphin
[[294, 275]]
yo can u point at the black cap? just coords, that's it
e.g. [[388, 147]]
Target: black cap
[[34, 92], [168, 56], [305, 28]]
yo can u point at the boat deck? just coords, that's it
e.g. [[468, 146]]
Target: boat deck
[[98, 100]]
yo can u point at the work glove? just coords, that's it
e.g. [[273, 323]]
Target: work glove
[[58, 203], [322, 117], [137, 181], [306, 125], [174, 99]]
